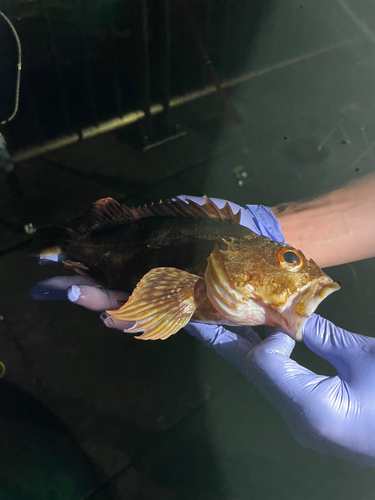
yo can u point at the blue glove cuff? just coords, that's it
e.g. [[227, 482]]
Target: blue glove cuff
[[266, 222]]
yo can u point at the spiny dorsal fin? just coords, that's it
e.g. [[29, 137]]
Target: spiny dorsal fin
[[213, 212], [107, 212]]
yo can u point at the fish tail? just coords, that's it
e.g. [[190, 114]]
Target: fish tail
[[49, 241]]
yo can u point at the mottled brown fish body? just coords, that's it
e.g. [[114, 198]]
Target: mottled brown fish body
[[185, 261], [119, 257]]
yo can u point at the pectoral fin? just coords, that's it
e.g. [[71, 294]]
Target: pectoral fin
[[161, 304]]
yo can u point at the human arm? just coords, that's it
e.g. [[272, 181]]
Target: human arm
[[333, 229]]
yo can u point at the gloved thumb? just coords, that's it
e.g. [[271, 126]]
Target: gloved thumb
[[343, 349], [234, 347], [278, 377]]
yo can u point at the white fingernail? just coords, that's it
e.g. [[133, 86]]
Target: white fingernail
[[74, 293], [54, 258]]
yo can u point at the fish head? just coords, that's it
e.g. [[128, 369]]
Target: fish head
[[256, 281]]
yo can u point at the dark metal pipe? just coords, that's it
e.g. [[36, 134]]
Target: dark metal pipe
[[146, 76], [185, 52], [114, 60], [225, 50], [37, 123], [56, 61], [230, 113], [166, 63], [207, 33], [87, 66]]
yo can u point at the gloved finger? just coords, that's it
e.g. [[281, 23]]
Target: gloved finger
[[231, 346], [246, 218], [205, 332], [277, 376], [96, 298], [266, 223], [56, 288], [116, 324], [247, 333], [343, 349], [51, 259]]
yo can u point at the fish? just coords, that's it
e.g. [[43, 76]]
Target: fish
[[183, 261]]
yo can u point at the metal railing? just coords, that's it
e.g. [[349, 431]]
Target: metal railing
[[90, 66]]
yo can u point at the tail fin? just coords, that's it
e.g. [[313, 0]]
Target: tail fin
[[49, 241]]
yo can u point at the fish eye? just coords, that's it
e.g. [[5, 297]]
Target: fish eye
[[290, 258]]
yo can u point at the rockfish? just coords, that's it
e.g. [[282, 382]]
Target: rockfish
[[183, 262]]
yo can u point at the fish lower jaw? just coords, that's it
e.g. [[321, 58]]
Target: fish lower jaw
[[292, 318], [291, 324]]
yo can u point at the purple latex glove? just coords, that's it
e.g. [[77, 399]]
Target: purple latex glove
[[333, 415]]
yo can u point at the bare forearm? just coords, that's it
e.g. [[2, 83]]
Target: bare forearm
[[336, 228]]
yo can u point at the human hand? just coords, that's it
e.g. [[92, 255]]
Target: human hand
[[332, 415], [83, 292]]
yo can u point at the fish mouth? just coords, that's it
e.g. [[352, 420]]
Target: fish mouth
[[305, 305]]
